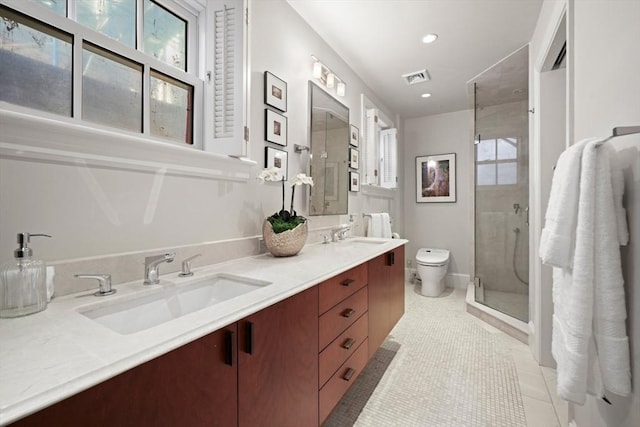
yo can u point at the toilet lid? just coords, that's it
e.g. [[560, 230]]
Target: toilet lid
[[432, 256]]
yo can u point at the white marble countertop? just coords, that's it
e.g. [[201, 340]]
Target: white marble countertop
[[49, 356]]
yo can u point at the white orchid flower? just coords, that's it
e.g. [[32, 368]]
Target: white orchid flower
[[301, 179], [270, 174]]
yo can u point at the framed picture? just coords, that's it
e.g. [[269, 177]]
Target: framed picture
[[275, 127], [436, 178], [354, 156], [274, 157], [354, 181], [275, 92], [355, 136]]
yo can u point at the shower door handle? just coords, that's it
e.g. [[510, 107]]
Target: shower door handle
[[526, 218]]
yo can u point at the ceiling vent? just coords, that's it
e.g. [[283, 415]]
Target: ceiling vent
[[416, 77]]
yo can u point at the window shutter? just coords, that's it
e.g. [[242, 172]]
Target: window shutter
[[371, 147], [227, 77], [388, 158], [223, 75]]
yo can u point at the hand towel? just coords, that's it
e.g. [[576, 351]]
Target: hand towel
[[386, 225], [558, 235], [375, 225]]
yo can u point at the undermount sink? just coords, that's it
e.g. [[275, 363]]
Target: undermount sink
[[370, 241], [137, 314]]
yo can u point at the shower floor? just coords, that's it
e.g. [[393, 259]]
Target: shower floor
[[513, 304]]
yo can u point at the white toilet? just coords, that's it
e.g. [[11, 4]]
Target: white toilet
[[432, 267]]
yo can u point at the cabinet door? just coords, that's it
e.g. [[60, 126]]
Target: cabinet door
[[180, 388], [378, 302], [396, 282], [278, 364], [386, 295]]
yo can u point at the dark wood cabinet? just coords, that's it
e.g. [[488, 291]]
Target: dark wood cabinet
[[286, 365], [386, 295], [194, 385], [278, 364]]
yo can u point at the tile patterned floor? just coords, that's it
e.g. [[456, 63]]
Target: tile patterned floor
[[443, 367]]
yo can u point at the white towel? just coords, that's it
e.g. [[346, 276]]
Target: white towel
[[558, 236], [375, 225], [611, 360], [589, 341], [386, 226]]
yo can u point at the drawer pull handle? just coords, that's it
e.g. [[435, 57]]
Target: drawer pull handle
[[348, 343], [347, 375], [347, 282], [348, 313], [248, 339], [230, 348]]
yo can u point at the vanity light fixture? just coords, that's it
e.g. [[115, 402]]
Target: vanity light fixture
[[429, 38], [327, 78], [331, 80]]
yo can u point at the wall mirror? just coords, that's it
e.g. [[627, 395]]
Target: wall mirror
[[329, 142]]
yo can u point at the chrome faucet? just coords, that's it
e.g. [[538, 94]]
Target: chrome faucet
[[339, 232], [151, 266]]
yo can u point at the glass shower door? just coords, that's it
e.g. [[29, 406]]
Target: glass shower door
[[502, 186]]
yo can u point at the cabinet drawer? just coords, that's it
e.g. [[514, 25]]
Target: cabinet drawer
[[340, 382], [334, 290], [340, 317], [342, 347]]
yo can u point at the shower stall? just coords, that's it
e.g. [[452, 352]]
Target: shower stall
[[501, 163]]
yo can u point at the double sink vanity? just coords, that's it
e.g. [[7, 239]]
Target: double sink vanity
[[254, 341]]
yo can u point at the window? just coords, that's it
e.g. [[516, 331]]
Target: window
[[380, 148], [497, 161], [36, 64], [139, 85]]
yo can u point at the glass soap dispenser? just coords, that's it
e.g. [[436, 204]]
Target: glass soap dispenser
[[23, 288]]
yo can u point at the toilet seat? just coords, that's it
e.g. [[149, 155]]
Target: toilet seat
[[432, 257]]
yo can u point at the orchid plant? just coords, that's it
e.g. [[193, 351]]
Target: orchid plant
[[285, 220]]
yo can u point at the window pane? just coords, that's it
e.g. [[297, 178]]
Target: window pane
[[58, 6], [507, 148], [111, 89], [486, 174], [114, 18], [507, 173], [165, 35], [486, 150], [35, 64], [171, 108]]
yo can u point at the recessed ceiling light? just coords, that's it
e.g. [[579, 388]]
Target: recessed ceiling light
[[426, 95], [429, 38]]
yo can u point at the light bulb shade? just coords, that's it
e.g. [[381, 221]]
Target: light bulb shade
[[341, 89], [331, 80], [317, 70]]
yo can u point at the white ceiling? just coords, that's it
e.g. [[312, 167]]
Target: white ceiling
[[381, 40]]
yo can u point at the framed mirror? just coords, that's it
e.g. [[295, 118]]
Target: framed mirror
[[329, 160]]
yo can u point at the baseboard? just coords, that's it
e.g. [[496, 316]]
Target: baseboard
[[457, 280]]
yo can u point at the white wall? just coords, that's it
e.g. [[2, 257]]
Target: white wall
[[95, 211], [547, 143], [282, 43], [606, 93], [441, 225]]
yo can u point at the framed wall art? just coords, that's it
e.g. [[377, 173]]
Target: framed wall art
[[354, 181], [274, 157], [354, 139], [354, 158], [275, 92], [436, 178], [275, 127]]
